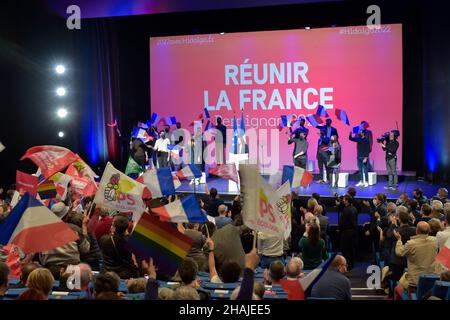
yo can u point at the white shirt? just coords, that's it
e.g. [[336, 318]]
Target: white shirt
[[270, 245], [161, 144], [442, 237]]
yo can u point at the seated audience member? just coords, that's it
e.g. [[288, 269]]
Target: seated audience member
[[186, 293], [323, 221], [398, 264], [32, 294], [69, 253], [214, 203], [419, 197], [42, 280], [443, 235], [198, 241], [136, 285], [228, 245], [106, 286], [436, 210], [402, 199], [4, 278], [312, 247], [420, 252], [270, 248], [413, 207], [425, 212], [223, 219], [333, 283], [442, 196], [26, 269], [291, 285], [116, 257], [435, 227]]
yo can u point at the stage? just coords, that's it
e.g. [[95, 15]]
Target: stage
[[406, 184]]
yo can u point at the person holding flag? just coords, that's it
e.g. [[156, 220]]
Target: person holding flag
[[221, 141], [162, 151], [300, 152]]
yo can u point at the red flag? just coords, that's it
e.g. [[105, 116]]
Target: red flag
[[226, 171], [13, 260], [83, 187], [26, 182], [50, 159]]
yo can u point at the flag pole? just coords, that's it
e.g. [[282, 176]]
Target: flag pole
[[254, 238]]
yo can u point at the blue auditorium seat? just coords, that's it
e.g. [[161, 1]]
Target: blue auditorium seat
[[135, 296], [448, 295], [224, 286], [14, 292], [276, 296], [13, 281], [440, 289], [425, 283], [123, 286]]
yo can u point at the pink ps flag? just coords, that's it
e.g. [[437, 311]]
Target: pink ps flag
[[50, 159], [34, 228], [444, 255]]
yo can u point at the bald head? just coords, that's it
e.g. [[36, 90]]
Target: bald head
[[294, 267], [222, 210], [423, 228]]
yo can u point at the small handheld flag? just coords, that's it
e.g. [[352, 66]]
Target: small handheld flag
[[297, 176], [314, 119], [342, 115], [185, 210], [322, 112], [190, 171]]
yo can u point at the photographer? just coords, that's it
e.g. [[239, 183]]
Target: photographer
[[390, 144]]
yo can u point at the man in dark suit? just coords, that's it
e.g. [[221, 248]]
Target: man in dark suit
[[329, 130]]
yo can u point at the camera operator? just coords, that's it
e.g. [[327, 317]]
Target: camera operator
[[390, 144]]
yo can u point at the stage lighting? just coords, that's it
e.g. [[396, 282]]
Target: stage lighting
[[222, 33], [307, 28], [61, 91], [61, 134], [60, 69], [62, 112]]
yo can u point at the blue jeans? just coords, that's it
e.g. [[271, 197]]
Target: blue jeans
[[266, 261], [363, 169]]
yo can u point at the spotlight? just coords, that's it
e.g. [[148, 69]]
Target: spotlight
[[222, 32], [60, 69], [61, 91], [61, 134], [62, 112], [307, 28]]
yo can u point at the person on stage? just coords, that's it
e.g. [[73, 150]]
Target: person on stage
[[162, 151], [329, 130], [322, 154], [300, 152], [363, 151], [153, 132], [221, 141], [302, 128], [138, 151], [391, 146], [334, 161], [178, 139]]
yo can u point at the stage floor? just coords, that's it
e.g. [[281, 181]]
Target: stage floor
[[324, 190]]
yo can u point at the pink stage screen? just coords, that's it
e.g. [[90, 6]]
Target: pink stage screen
[[289, 72]]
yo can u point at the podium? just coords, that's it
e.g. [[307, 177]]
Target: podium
[[236, 158]]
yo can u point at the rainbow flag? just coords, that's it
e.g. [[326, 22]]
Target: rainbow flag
[[47, 190], [155, 239]]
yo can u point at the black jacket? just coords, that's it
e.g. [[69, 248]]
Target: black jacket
[[348, 222], [362, 145], [116, 257]]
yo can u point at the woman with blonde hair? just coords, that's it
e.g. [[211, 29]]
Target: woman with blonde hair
[[42, 280]]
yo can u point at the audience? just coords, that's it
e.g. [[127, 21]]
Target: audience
[[224, 217], [106, 286], [41, 279], [4, 274], [214, 202], [312, 247], [436, 210], [291, 285], [442, 196], [323, 221], [270, 248], [348, 229], [420, 252], [443, 235], [25, 270], [334, 284], [116, 257], [419, 197]]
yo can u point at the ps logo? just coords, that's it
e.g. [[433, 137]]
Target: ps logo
[[74, 20], [374, 280], [374, 20]]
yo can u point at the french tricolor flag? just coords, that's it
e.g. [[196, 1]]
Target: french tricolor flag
[[142, 125], [322, 112], [170, 121], [314, 119], [297, 176], [34, 228], [184, 210], [141, 134], [190, 171], [155, 118], [342, 115], [159, 182], [206, 113], [286, 121]]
